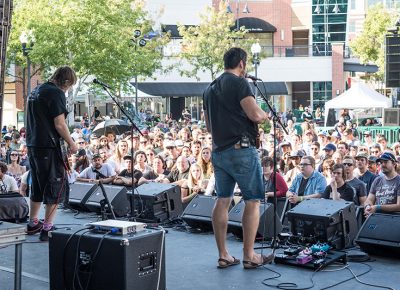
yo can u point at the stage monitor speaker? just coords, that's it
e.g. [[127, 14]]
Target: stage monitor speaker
[[115, 194], [325, 220], [79, 192], [82, 259], [380, 235], [265, 226], [198, 213], [156, 202], [392, 67]]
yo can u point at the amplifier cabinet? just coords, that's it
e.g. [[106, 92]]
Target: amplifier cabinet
[[156, 202], [81, 257], [325, 220]]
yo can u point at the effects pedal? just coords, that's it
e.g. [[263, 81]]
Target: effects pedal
[[292, 251]]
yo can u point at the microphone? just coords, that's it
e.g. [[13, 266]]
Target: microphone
[[98, 82], [253, 78]]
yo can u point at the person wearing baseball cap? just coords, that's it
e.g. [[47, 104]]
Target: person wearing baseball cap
[[362, 172], [97, 172], [294, 157], [125, 176], [384, 195]]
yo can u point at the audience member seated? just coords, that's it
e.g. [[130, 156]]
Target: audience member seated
[[7, 182], [125, 176], [117, 160], [358, 186], [295, 158], [384, 195], [281, 187], [194, 184], [307, 184], [179, 174], [338, 188], [204, 161], [80, 161], [14, 169], [159, 169], [141, 162], [362, 173], [97, 172]]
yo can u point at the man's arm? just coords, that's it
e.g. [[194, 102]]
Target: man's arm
[[252, 110], [62, 129]]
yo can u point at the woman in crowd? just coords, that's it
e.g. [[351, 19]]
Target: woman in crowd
[[184, 134], [118, 158], [204, 160], [396, 149], [327, 167], [194, 185], [14, 169], [103, 142], [140, 162], [159, 169], [150, 154], [281, 186]]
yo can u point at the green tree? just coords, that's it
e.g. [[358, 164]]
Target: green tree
[[369, 45], [204, 45], [92, 36]]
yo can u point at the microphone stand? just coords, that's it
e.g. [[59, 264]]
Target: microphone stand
[[275, 120], [105, 202], [133, 126]]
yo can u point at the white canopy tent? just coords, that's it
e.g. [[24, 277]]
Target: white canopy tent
[[359, 96]]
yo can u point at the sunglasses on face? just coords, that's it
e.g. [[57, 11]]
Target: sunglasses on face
[[83, 142], [348, 164], [14, 154]]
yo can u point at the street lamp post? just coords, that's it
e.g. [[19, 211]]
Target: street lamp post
[[24, 39], [137, 41], [245, 10], [255, 50]]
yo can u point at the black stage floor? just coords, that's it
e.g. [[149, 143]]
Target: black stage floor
[[191, 260]]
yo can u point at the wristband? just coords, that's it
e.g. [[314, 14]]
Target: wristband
[[377, 208], [301, 198]]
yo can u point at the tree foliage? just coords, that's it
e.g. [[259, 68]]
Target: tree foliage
[[204, 45], [92, 36], [369, 45]]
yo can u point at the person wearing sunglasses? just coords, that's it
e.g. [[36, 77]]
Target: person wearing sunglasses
[[309, 183], [384, 195], [359, 187]]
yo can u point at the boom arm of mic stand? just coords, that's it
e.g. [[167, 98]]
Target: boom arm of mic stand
[[133, 126], [122, 110], [275, 116]]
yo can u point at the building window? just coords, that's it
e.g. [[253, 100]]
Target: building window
[[328, 25], [352, 26], [322, 92], [353, 4]]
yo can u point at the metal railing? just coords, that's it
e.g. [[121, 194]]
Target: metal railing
[[302, 50]]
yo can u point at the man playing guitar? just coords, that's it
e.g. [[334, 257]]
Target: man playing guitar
[[46, 111]]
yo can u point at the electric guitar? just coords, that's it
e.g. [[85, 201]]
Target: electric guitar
[[64, 153]]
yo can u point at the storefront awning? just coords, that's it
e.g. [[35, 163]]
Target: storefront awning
[[354, 65], [196, 89], [255, 25]]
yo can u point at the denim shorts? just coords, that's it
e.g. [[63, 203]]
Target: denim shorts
[[241, 166]]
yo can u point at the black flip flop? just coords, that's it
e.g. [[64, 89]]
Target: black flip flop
[[227, 263], [265, 260]]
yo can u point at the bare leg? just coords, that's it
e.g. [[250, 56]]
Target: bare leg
[[250, 221], [50, 213], [34, 210], [220, 225]]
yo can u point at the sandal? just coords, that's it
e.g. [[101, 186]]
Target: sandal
[[265, 260], [227, 263]]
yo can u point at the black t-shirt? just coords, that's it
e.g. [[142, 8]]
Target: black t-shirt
[[137, 174], [45, 103], [228, 122], [346, 192], [302, 187]]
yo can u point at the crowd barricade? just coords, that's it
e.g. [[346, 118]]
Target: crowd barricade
[[391, 133]]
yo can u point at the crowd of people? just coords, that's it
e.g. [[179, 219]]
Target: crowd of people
[[310, 163]]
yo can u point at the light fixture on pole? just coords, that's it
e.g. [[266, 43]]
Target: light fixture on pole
[[137, 41], [246, 10], [317, 8], [25, 39], [255, 50], [336, 9]]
